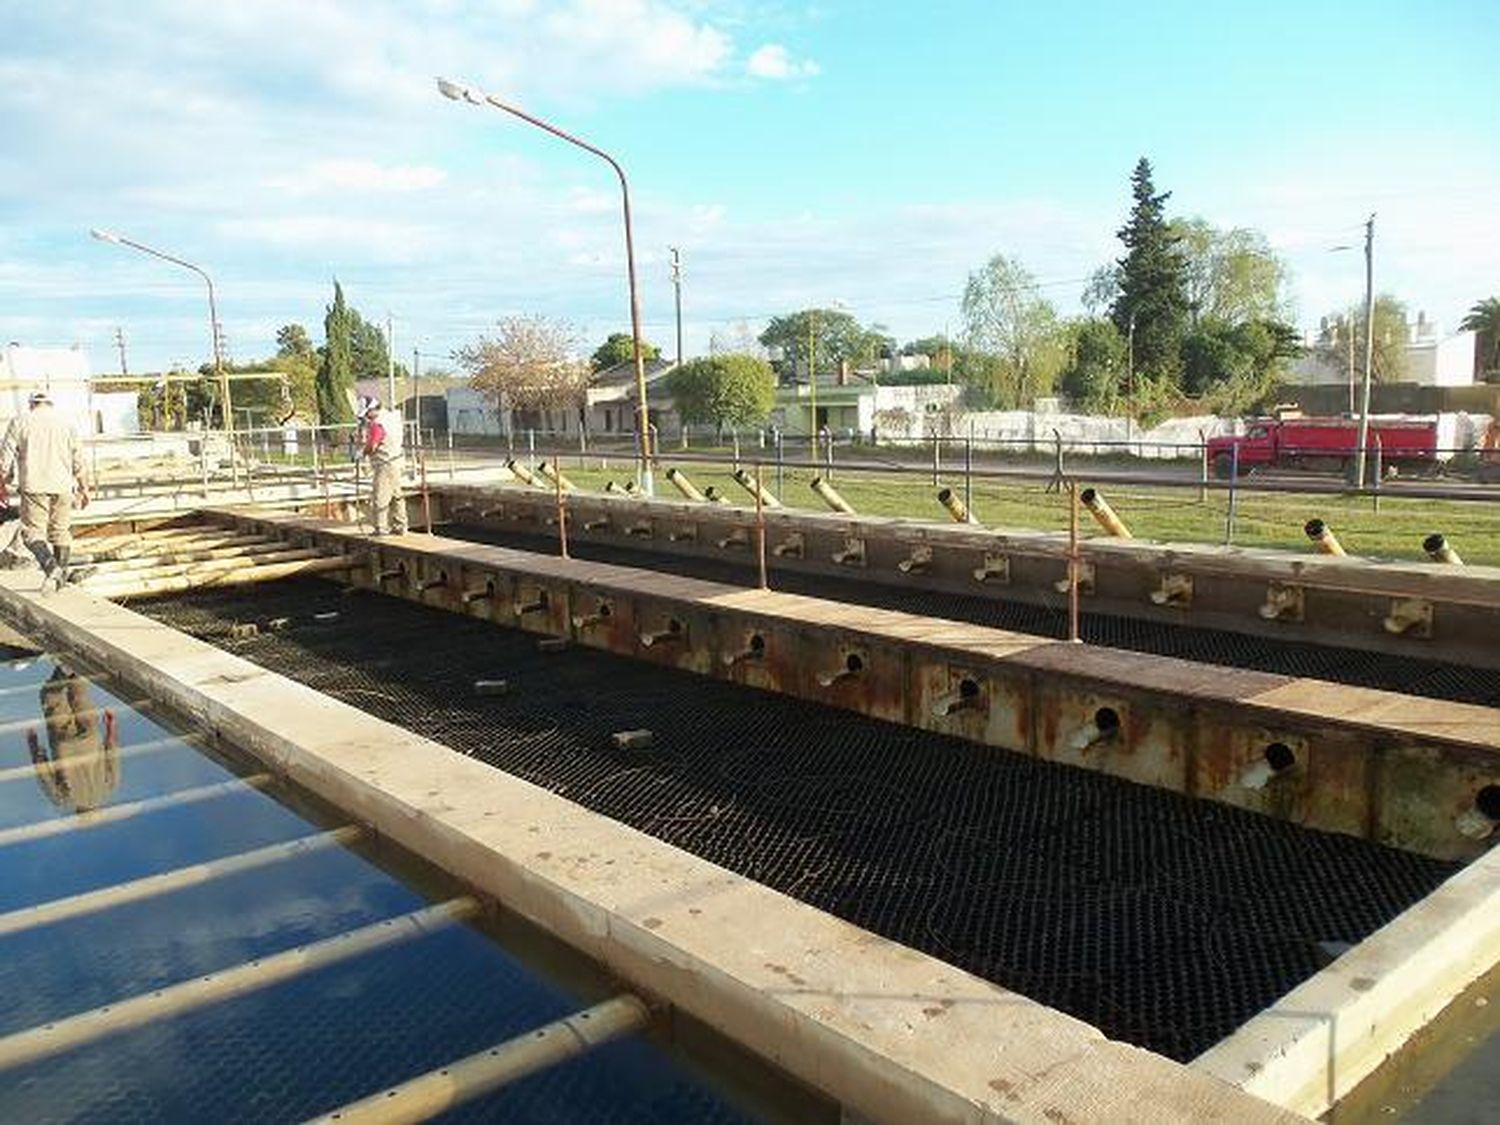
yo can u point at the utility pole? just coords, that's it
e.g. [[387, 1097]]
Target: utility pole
[[812, 377], [1364, 407], [120, 343], [677, 287], [390, 359], [1349, 333], [416, 379]]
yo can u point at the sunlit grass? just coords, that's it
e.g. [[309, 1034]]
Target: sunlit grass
[[1165, 514]]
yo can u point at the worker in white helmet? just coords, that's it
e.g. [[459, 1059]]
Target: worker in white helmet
[[382, 447]]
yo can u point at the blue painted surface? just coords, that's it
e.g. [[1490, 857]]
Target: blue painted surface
[[299, 1048]]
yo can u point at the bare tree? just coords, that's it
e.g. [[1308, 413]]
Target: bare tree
[[530, 363]]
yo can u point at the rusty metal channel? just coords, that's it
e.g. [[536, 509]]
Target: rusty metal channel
[[1163, 920], [1412, 674]]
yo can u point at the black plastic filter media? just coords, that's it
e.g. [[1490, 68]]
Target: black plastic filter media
[[1166, 922]]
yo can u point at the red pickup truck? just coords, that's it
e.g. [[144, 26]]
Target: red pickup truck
[[1325, 443]]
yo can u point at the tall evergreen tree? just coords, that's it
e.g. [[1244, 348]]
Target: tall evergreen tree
[[335, 384], [1152, 295]]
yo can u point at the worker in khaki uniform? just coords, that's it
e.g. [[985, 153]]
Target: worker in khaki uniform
[[382, 447], [79, 767], [43, 449]]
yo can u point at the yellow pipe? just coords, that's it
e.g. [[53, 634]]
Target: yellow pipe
[[831, 497], [1323, 537], [71, 1032], [686, 487], [521, 472], [461, 1081], [748, 483], [956, 507], [1103, 514], [1438, 550], [554, 474]]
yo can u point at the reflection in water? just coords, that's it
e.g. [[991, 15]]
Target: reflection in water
[[79, 768]]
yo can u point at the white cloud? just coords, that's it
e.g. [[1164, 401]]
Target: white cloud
[[357, 175], [773, 61]]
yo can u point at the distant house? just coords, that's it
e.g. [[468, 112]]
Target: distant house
[[611, 399], [856, 408], [1432, 360], [608, 409]]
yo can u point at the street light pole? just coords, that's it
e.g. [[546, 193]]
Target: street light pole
[[1364, 406], [226, 408], [677, 291], [456, 92]]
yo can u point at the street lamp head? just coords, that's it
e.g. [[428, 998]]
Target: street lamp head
[[104, 235], [457, 92]]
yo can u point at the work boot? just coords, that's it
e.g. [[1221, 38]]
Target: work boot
[[44, 559], [60, 552]]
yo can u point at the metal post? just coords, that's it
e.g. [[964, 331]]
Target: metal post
[[735, 439], [1234, 493], [474, 97], [562, 515], [828, 457], [422, 472], [937, 458], [780, 463], [450, 453], [1379, 473], [969, 469], [760, 527], [1203, 467], [1364, 409], [677, 291], [1073, 567]]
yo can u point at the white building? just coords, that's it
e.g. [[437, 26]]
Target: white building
[[1432, 360]]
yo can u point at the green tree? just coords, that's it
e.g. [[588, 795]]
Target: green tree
[[723, 390], [1232, 275], [335, 381], [1094, 375], [368, 355], [1484, 320], [1006, 318], [292, 340], [620, 348], [1151, 309], [836, 335], [1342, 336]]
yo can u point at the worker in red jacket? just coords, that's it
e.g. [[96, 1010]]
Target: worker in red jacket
[[382, 448]]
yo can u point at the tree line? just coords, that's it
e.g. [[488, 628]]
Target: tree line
[[1188, 316]]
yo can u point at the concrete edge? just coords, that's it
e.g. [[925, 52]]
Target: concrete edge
[[890, 1032], [1328, 1034]]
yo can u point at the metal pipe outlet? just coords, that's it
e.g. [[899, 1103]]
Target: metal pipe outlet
[[750, 485], [550, 470], [955, 506], [1323, 538], [829, 495], [1438, 550], [521, 472], [1103, 514], [679, 481]]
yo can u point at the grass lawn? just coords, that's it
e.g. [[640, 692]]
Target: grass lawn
[[1165, 514]]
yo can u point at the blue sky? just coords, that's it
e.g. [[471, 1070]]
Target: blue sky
[[865, 153]]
